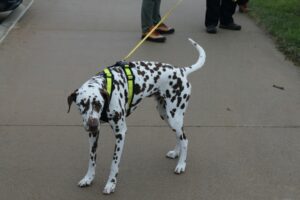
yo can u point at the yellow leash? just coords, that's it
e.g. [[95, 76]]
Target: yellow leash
[[155, 27]]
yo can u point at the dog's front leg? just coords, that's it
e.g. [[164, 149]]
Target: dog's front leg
[[90, 175], [119, 129]]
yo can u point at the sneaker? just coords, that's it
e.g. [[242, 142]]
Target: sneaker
[[211, 29], [155, 36], [164, 29], [232, 26]]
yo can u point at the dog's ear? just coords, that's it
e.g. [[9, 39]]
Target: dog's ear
[[72, 98]]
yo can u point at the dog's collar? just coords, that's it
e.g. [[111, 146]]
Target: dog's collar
[[109, 86]]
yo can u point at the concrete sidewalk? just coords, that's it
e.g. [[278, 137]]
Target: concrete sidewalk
[[243, 132]]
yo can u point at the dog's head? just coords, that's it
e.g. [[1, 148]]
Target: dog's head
[[90, 100]]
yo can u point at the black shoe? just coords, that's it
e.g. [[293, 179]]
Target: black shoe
[[231, 26], [211, 29]]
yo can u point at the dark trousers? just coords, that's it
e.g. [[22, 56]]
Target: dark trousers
[[219, 10], [150, 14]]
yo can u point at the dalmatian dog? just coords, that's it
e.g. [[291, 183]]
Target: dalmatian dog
[[167, 84]]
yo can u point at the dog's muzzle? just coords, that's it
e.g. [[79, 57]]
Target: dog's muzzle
[[93, 124]]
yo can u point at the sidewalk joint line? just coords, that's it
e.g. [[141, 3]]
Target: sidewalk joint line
[[156, 126]]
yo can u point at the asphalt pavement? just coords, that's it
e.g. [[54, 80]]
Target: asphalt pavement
[[243, 120]]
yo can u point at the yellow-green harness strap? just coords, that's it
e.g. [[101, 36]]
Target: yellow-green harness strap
[[108, 80], [130, 80]]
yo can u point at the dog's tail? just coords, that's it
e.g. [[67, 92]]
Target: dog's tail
[[201, 59]]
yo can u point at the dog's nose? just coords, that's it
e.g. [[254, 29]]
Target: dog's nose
[[93, 124]]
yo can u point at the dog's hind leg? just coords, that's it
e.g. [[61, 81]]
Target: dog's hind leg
[[161, 108], [175, 109], [119, 129], [90, 175], [181, 142]]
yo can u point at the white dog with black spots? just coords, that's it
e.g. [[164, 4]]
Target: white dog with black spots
[[166, 83]]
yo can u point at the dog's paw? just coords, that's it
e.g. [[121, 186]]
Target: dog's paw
[[86, 181], [180, 168], [109, 188], [172, 154]]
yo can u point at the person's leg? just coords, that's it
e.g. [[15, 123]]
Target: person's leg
[[212, 12], [227, 11], [149, 9], [226, 19], [147, 14], [162, 28], [156, 11]]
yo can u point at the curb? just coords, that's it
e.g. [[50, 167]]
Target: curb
[[11, 20]]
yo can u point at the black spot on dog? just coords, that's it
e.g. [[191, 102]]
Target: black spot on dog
[[181, 72], [182, 137], [94, 147], [137, 102], [137, 89], [173, 99], [95, 134], [150, 87], [178, 85], [116, 117], [144, 86], [174, 75], [156, 78], [146, 78], [182, 106], [85, 105], [144, 65], [168, 95], [188, 97], [179, 101], [158, 64], [172, 112], [96, 105], [119, 137]]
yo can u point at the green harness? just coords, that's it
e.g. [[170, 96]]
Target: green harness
[[109, 87]]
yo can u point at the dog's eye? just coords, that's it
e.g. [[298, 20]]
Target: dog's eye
[[97, 106]]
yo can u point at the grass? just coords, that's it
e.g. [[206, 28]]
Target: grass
[[281, 18]]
